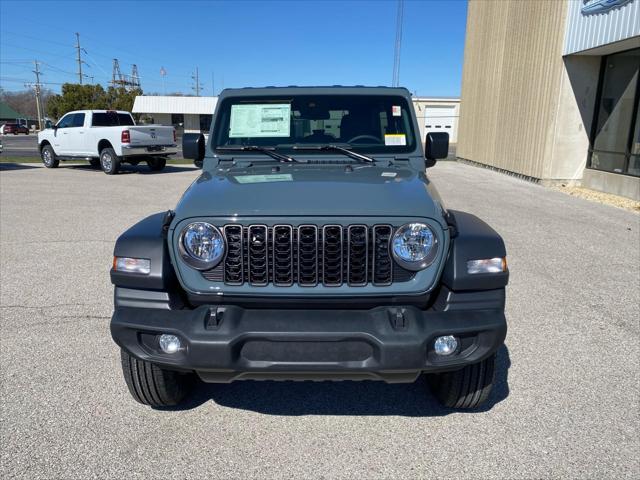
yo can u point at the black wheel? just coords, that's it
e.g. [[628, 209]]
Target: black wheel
[[466, 388], [152, 385], [109, 161], [156, 164], [49, 157], [95, 162]]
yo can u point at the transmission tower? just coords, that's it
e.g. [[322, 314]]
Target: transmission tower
[[118, 79], [135, 78]]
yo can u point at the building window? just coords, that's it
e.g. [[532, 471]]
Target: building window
[[205, 123], [177, 119], [615, 145]]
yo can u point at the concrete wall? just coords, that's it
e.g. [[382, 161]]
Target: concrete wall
[[511, 84], [574, 118], [623, 185]]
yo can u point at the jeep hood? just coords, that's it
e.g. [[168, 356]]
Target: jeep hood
[[311, 190]]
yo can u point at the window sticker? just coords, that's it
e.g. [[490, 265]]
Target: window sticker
[[281, 177], [396, 111], [260, 120], [395, 140]]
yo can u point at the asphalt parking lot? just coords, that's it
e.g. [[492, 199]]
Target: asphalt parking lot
[[566, 402]]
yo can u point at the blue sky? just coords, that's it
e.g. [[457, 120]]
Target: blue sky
[[243, 43]]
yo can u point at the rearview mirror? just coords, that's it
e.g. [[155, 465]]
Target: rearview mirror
[[436, 146], [193, 147]]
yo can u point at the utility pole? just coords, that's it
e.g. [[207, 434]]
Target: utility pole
[[37, 88], [396, 57], [79, 58], [197, 85]]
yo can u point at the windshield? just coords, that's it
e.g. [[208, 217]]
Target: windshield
[[365, 123]]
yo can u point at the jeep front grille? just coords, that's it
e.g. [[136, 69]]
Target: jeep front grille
[[308, 255]]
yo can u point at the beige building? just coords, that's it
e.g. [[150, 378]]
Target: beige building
[[550, 91]]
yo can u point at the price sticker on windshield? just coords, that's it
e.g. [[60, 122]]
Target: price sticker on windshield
[[396, 111], [395, 140]]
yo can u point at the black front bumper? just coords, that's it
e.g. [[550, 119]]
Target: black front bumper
[[228, 343]]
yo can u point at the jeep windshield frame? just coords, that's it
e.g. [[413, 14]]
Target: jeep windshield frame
[[370, 124]]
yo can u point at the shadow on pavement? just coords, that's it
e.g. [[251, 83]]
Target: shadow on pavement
[[142, 169], [341, 398], [17, 166]]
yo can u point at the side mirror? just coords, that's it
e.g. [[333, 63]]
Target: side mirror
[[436, 146], [193, 147]]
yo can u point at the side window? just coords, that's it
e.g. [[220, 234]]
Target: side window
[[78, 120], [66, 121]]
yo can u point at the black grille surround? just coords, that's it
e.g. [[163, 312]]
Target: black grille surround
[[308, 255]]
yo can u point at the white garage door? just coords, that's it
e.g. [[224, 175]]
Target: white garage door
[[440, 119]]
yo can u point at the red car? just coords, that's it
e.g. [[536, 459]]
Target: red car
[[15, 128]]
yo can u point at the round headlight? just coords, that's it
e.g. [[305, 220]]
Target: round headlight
[[201, 245], [414, 246]]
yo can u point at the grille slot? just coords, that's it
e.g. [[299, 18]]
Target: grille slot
[[233, 262], [282, 255], [357, 255], [308, 255], [332, 255], [258, 258], [382, 273]]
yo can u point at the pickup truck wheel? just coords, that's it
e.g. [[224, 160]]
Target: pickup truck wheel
[[152, 385], [109, 161], [94, 162], [156, 164], [466, 388], [49, 157]]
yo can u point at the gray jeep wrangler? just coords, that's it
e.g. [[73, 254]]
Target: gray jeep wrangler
[[313, 246]]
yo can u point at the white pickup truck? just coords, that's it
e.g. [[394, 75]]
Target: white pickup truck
[[106, 138]]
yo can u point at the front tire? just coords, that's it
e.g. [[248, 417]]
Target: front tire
[[49, 157], [156, 164], [109, 161], [466, 388], [152, 385]]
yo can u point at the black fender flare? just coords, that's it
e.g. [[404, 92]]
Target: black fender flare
[[473, 239], [147, 239]]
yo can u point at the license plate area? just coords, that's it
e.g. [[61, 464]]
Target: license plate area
[[306, 352]]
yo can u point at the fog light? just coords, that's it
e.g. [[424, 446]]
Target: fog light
[[445, 345], [169, 343]]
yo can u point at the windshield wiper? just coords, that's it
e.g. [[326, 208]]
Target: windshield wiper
[[256, 148], [336, 148]]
